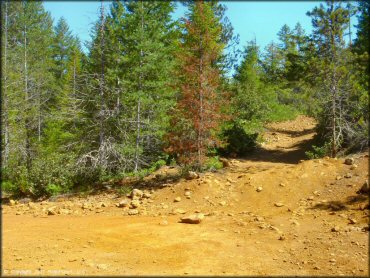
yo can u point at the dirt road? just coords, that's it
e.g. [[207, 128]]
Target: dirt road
[[267, 214]]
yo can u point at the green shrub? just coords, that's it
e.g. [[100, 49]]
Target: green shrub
[[123, 190], [237, 140], [53, 189], [318, 151], [8, 187], [212, 164]]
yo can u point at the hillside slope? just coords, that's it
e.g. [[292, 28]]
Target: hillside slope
[[270, 213]]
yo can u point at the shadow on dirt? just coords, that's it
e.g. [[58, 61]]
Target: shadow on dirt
[[291, 156], [341, 205], [293, 133]]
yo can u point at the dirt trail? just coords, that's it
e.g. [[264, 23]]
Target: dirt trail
[[306, 219]]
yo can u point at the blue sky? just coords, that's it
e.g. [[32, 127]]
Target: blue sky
[[260, 19]]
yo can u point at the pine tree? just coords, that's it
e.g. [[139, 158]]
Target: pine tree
[[335, 77], [248, 96], [148, 45], [197, 115], [30, 65]]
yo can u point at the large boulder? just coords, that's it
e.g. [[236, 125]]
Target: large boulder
[[193, 218]]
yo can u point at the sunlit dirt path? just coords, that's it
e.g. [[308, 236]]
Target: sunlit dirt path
[[270, 213]]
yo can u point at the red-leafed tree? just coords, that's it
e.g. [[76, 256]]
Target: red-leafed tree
[[197, 115]]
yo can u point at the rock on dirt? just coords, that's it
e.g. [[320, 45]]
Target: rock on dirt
[[225, 162], [51, 211], [364, 189], [222, 203], [349, 161], [335, 229], [187, 194], [177, 199], [179, 211], [12, 202], [133, 212], [259, 189], [279, 205], [193, 218], [135, 204], [122, 204], [192, 175], [136, 193], [86, 206], [352, 220]]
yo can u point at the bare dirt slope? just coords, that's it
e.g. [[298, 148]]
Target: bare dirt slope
[[267, 214]]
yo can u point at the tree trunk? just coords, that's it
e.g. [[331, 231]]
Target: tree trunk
[[140, 90], [5, 97], [101, 129], [26, 96]]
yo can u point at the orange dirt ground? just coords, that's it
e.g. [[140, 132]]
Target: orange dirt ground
[[306, 220]]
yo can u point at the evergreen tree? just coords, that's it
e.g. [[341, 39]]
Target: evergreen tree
[[148, 45], [198, 111], [30, 37], [335, 77]]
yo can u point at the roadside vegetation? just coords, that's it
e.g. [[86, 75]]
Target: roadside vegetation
[[153, 91]]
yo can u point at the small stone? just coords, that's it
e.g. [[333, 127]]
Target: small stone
[[187, 193], [348, 176], [193, 219], [349, 161], [122, 204], [259, 219], [222, 203], [64, 211], [352, 221], [278, 205], [332, 260], [177, 199], [134, 204], [163, 223], [102, 266], [192, 175], [180, 211], [335, 229], [147, 195], [364, 189], [12, 202], [282, 237], [338, 178], [310, 198], [259, 189], [136, 193], [354, 166], [133, 212], [225, 162], [282, 184], [51, 211]]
